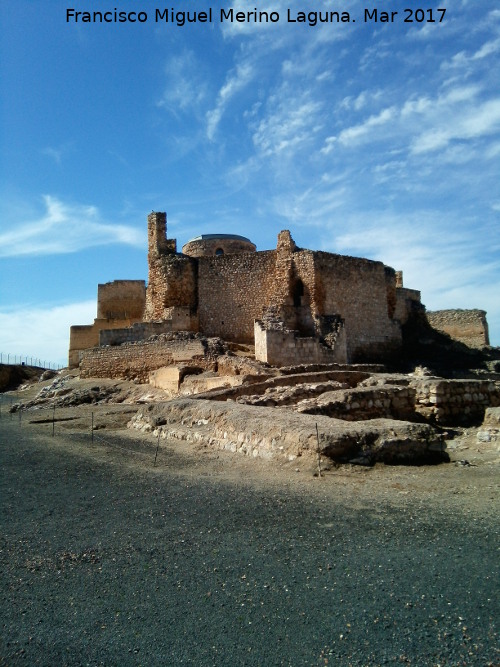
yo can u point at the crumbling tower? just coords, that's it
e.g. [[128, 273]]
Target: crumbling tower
[[172, 282], [158, 244]]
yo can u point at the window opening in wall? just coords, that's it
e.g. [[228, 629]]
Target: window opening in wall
[[219, 251], [298, 293]]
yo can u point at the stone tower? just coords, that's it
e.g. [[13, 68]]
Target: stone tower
[[172, 276], [158, 244]]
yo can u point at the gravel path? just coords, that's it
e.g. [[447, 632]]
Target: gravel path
[[108, 561]]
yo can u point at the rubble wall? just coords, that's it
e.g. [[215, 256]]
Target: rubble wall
[[137, 332], [84, 336], [356, 289], [233, 291], [179, 319], [363, 403], [120, 304], [279, 347], [269, 433], [455, 401], [136, 360], [172, 282], [406, 301], [467, 326], [121, 300]]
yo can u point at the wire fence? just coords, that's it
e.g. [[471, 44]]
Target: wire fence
[[10, 359]]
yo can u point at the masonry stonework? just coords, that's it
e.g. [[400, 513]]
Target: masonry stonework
[[119, 305], [208, 245], [466, 326], [135, 361]]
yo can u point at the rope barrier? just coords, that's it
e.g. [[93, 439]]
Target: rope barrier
[[47, 415]]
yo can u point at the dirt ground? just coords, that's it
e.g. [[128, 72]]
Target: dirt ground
[[116, 553]]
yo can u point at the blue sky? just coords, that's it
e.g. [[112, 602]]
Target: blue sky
[[379, 140]]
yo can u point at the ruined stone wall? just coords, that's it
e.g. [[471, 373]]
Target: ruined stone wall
[[172, 283], [119, 305], [467, 326], [82, 337], [121, 300], [362, 403], [280, 347], [137, 332], [157, 235], [406, 302], [233, 292], [356, 289], [179, 319], [136, 360], [300, 306], [455, 401]]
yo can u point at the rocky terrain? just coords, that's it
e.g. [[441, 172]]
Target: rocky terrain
[[358, 414]]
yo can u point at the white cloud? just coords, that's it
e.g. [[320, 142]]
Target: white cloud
[[481, 120], [42, 333], [487, 49], [291, 122], [64, 228], [54, 153], [186, 88], [235, 82], [363, 131], [462, 60]]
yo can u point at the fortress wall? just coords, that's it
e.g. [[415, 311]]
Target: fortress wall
[[356, 289], [303, 270], [83, 336], [282, 347], [233, 292], [138, 331], [172, 282], [406, 299], [467, 326], [137, 360], [121, 300], [179, 320]]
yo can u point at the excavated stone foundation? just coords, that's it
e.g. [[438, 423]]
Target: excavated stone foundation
[[274, 432]]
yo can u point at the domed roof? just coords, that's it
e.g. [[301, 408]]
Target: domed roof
[[207, 237], [207, 245]]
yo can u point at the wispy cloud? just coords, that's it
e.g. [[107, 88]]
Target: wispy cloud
[[471, 123], [462, 59], [357, 133], [54, 153], [290, 122], [236, 81], [58, 153], [64, 228], [186, 87]]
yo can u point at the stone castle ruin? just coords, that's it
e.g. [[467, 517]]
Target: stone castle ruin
[[294, 305], [282, 353]]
